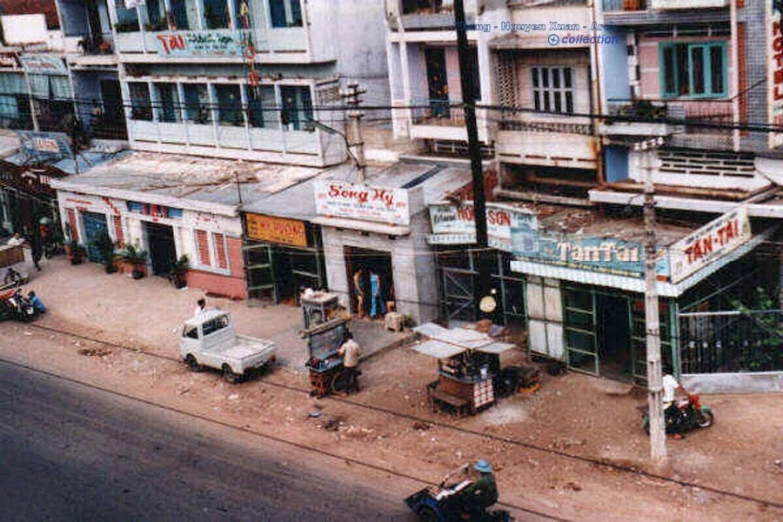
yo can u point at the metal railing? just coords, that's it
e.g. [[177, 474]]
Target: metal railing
[[728, 342], [702, 112], [438, 112]]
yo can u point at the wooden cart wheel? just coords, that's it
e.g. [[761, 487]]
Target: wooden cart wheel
[[340, 382]]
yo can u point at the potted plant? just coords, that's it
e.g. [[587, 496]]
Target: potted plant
[[106, 246], [76, 252], [137, 259], [178, 270]]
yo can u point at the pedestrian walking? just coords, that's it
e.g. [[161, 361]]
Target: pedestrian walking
[[350, 351]]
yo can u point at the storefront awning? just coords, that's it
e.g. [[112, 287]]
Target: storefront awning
[[448, 342], [362, 226], [631, 284]]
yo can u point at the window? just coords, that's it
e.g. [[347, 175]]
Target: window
[[297, 108], [693, 70], [190, 332], [168, 102], [214, 325], [156, 16], [197, 102], [216, 14], [141, 106], [229, 104], [179, 15], [211, 250], [285, 13], [553, 89], [260, 106]]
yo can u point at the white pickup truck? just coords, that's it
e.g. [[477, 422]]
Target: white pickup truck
[[209, 340]]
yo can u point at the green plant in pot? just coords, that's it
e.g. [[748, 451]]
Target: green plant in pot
[[137, 258], [106, 246], [178, 270], [76, 252]]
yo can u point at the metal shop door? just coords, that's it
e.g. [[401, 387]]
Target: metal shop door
[[94, 226], [459, 301], [579, 326], [260, 276]]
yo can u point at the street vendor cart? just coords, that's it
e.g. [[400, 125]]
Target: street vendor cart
[[324, 363], [468, 364]]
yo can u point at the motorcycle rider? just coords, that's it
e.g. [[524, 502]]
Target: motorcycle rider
[[671, 411], [483, 493]]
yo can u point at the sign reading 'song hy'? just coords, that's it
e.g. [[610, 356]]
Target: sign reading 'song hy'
[[363, 202]]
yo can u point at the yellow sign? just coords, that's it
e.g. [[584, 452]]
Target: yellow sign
[[276, 230]]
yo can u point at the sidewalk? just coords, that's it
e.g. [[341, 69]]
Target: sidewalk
[[149, 312]]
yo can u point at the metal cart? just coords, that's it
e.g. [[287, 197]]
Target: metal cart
[[324, 364]]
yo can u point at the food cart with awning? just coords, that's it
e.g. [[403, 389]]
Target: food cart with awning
[[468, 364]]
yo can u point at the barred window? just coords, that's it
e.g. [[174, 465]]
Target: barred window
[[553, 89]]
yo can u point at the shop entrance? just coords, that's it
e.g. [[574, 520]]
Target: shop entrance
[[370, 281], [614, 339], [94, 226], [163, 252]]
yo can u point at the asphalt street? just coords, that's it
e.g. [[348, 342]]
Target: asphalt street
[[70, 452]]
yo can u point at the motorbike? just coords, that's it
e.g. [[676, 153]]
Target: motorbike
[[15, 306], [694, 415], [444, 504]]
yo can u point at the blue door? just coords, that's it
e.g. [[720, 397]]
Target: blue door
[[94, 225]]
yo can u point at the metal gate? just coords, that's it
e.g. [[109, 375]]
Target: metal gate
[[259, 271], [579, 326], [94, 225], [729, 342], [459, 301]]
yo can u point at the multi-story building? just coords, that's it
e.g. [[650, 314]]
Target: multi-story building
[[255, 80]]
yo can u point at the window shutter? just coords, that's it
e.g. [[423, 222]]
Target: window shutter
[[220, 250], [118, 233], [72, 224], [202, 247]]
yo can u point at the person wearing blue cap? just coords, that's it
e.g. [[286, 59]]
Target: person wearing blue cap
[[482, 493]]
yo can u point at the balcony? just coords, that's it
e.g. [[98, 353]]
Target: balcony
[[215, 44], [228, 141], [443, 120], [663, 5], [644, 118], [553, 140], [664, 12], [420, 15], [624, 5]]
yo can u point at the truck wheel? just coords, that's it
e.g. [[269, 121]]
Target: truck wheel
[[192, 363], [229, 375], [427, 514]]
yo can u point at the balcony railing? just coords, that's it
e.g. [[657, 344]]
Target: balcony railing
[[438, 112], [624, 5], [701, 116]]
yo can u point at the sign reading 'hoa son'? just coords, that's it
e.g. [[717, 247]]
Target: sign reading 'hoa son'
[[454, 225], [362, 202]]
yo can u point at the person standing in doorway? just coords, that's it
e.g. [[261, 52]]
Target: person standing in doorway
[[378, 303], [357, 288]]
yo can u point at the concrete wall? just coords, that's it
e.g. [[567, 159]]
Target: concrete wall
[[413, 269], [762, 382]]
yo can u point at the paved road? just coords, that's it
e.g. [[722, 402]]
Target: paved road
[[69, 452]]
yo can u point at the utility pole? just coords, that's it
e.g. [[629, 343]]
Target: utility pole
[[474, 151], [651, 314], [356, 144]]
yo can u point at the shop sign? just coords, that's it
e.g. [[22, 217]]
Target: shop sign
[[9, 60], [453, 225], [44, 146], [775, 69], [157, 211], [276, 230], [33, 64], [711, 242], [383, 205], [199, 43], [594, 254]]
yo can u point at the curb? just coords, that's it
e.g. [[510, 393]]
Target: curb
[[391, 346]]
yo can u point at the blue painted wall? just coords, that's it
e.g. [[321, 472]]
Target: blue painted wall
[[615, 65], [616, 163]]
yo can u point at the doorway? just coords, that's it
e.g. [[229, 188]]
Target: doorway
[[614, 341], [162, 250], [94, 226], [437, 82], [370, 281]]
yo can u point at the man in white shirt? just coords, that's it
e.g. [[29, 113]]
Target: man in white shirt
[[201, 308], [671, 411], [16, 240]]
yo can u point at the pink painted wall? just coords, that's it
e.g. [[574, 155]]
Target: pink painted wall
[[232, 285], [649, 63], [452, 75]]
